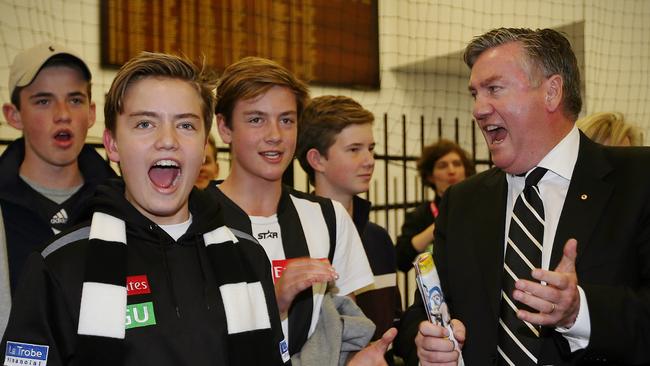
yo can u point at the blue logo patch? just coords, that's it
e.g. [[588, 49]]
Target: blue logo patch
[[25, 354], [284, 351]]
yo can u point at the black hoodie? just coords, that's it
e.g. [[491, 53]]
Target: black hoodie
[[190, 323], [29, 217]]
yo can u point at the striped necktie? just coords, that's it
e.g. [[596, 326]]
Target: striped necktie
[[519, 340]]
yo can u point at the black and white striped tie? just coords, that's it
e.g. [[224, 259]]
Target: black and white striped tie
[[519, 340]]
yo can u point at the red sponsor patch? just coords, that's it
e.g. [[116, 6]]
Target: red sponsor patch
[[136, 285], [279, 265]]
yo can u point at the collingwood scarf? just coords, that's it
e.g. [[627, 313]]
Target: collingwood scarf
[[294, 244], [102, 315]]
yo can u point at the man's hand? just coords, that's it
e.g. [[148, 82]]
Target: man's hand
[[373, 354], [299, 275], [559, 301], [434, 346]]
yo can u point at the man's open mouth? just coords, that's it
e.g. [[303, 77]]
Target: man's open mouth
[[496, 134]]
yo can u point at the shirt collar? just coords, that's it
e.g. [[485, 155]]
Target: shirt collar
[[562, 158]]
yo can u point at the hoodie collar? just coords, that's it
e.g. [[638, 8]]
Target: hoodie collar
[[109, 198], [92, 166]]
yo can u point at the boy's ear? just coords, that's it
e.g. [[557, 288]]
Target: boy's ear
[[92, 114], [12, 115], [111, 146], [316, 160], [224, 131]]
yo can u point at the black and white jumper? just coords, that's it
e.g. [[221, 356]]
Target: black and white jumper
[[121, 291]]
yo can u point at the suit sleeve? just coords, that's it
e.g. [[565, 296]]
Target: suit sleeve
[[416, 313], [620, 314], [39, 315]]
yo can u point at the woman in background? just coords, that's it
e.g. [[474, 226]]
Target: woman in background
[[610, 128], [441, 165]]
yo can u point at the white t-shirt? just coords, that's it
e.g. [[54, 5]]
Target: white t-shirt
[[177, 230], [350, 259]]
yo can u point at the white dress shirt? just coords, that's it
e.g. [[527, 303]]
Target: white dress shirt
[[553, 188]]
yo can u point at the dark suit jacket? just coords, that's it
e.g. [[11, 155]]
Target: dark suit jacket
[[607, 209]]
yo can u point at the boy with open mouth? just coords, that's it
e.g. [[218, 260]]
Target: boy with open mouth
[[154, 278], [49, 173]]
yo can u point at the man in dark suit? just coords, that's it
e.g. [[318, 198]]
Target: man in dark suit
[[588, 300]]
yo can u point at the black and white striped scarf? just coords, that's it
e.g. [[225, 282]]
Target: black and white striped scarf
[[101, 330]]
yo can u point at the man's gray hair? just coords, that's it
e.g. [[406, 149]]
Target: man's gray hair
[[548, 51]]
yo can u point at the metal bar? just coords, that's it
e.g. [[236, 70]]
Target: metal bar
[[421, 149], [386, 169]]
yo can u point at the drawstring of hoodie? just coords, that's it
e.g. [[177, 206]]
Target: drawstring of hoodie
[[210, 294], [170, 283]]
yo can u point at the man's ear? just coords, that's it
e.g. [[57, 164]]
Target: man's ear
[[224, 131], [553, 90], [316, 160], [12, 115], [111, 146]]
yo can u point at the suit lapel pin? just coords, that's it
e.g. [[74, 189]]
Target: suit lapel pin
[[584, 196]]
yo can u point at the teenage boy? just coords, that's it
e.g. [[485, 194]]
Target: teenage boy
[[210, 168], [259, 104], [49, 173], [336, 150], [193, 293]]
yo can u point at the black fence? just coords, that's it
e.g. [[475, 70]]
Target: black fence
[[393, 209]]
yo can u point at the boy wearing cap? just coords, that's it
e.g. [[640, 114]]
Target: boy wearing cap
[[48, 173]]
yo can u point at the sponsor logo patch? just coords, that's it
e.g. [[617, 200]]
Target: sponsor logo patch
[[21, 354], [284, 351], [267, 235], [136, 285], [140, 315], [279, 265]]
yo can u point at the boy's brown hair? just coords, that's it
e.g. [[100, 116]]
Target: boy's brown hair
[[251, 77], [160, 65], [323, 119]]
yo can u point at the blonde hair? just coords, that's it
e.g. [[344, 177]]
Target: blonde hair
[[610, 128]]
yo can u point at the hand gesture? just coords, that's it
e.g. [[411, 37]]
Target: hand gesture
[[558, 301], [373, 354], [300, 274]]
